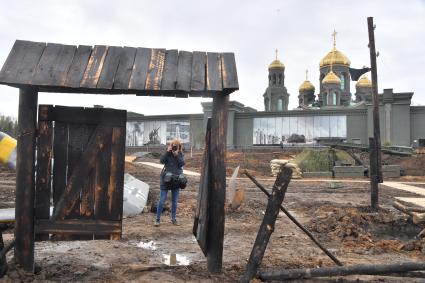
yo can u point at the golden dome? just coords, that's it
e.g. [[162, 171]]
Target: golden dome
[[364, 82], [335, 57], [276, 64], [306, 85], [331, 78]]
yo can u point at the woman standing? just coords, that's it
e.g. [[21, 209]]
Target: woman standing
[[173, 161]]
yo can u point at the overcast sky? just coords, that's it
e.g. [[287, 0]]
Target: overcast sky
[[301, 30]]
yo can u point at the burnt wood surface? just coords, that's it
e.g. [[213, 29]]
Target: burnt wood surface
[[200, 225], [25, 179], [88, 174], [116, 178], [44, 162], [80, 227], [295, 221], [217, 183], [118, 70], [363, 269], [75, 182], [267, 225]]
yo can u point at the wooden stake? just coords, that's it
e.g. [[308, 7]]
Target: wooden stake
[[267, 226], [292, 218], [25, 174], [217, 186], [376, 178]]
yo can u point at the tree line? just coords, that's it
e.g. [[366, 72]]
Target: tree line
[[9, 125]]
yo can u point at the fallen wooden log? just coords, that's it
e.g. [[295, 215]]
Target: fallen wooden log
[[418, 218], [402, 208], [412, 209], [364, 269], [267, 226], [295, 221]]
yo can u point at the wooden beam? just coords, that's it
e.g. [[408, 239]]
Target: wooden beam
[[44, 166], [267, 225], [363, 269], [217, 182], [80, 227], [76, 181], [25, 178], [200, 225]]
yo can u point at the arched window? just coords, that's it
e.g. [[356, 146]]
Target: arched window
[[280, 78], [274, 79], [332, 98], [280, 104], [325, 99], [342, 81]]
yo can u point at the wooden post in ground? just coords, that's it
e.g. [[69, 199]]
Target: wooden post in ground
[[375, 178], [25, 174], [217, 173], [373, 174], [267, 226]]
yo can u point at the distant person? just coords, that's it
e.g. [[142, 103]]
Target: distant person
[[173, 160]]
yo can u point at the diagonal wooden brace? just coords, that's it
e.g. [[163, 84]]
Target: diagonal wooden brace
[[97, 141]]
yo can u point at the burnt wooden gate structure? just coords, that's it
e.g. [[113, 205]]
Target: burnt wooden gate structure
[[39, 67], [80, 165]]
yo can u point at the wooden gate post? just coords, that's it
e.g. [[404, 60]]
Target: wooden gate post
[[25, 184], [217, 185]]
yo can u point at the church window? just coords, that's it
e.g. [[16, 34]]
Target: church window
[[280, 78], [342, 82], [332, 98], [280, 104], [274, 79]]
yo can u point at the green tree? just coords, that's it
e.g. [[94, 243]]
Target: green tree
[[9, 125]]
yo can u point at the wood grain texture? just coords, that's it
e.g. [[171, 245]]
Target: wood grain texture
[[125, 68], [54, 64], [43, 169], [184, 71], [25, 179], [110, 67], [87, 162], [217, 182], [116, 180], [200, 226], [118, 70], [214, 80], [78, 66], [81, 227], [94, 67], [169, 79], [140, 69], [229, 72], [198, 71], [60, 156], [156, 69]]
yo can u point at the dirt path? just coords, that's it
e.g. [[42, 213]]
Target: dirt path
[[339, 218]]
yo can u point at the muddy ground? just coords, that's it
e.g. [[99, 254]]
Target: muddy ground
[[339, 218]]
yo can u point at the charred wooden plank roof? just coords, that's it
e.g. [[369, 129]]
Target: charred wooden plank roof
[[118, 70]]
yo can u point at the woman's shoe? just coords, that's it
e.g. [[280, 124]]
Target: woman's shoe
[[156, 223]]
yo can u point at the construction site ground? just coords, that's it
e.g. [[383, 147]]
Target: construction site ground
[[339, 216]]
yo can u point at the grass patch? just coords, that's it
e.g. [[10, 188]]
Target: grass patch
[[310, 160]]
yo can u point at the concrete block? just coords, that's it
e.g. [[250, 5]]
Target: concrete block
[[391, 171], [349, 171]]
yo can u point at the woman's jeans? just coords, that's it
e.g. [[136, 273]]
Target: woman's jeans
[[163, 197]]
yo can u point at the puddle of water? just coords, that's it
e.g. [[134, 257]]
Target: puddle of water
[[175, 259], [148, 245]]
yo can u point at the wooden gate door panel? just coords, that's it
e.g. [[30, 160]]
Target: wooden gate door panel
[[88, 172]]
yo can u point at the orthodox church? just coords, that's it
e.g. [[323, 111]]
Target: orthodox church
[[330, 110], [334, 88]]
